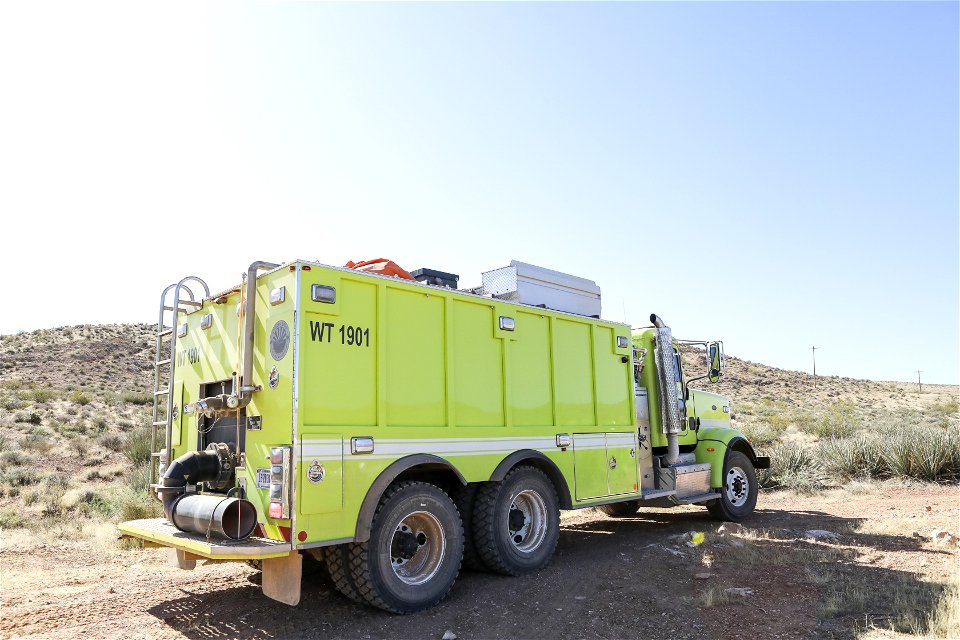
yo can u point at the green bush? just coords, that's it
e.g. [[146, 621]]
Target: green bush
[[851, 458], [42, 394], [38, 443], [33, 417], [137, 448], [924, 453], [839, 421], [11, 520], [79, 446], [793, 467], [79, 397], [111, 441], [21, 477], [14, 458], [136, 397]]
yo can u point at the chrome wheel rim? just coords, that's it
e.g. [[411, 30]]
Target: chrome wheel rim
[[738, 487], [527, 521], [417, 546]]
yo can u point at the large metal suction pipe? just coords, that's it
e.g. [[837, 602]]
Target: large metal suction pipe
[[190, 468], [214, 516]]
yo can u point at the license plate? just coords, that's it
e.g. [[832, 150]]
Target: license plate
[[263, 478]]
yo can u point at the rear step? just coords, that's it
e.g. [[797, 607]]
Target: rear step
[[160, 532]]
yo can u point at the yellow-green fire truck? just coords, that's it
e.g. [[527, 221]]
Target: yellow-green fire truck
[[398, 428]]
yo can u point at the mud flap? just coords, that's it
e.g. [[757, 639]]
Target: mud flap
[[182, 559], [281, 578]]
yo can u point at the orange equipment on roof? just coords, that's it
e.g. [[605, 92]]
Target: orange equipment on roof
[[381, 266]]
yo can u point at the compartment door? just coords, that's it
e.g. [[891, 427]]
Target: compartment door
[[320, 478], [622, 462], [590, 465]]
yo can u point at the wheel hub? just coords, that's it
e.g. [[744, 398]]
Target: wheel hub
[[417, 548], [527, 521], [738, 487]]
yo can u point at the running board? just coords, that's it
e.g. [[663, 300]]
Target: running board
[[658, 493], [703, 497]]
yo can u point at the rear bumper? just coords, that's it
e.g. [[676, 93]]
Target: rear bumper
[[159, 532]]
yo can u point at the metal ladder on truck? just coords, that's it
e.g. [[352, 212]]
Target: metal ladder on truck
[[164, 365]]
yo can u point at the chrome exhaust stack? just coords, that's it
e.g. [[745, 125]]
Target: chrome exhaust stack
[[672, 405]]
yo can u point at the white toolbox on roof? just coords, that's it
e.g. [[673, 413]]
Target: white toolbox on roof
[[528, 284]]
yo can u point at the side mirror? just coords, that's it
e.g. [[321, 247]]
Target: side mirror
[[715, 364]]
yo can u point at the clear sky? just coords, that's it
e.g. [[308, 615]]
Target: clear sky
[[778, 175]]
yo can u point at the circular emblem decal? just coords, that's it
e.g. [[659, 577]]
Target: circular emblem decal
[[279, 340], [316, 472]]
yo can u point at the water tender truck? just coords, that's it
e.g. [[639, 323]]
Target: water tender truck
[[396, 427]]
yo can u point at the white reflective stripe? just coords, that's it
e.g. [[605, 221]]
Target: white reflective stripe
[[714, 423], [322, 450]]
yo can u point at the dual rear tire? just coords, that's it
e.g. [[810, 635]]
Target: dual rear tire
[[417, 539]]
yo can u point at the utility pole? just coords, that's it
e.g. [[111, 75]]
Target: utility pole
[[919, 386], [813, 350]]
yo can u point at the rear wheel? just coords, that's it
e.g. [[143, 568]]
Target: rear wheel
[[516, 523], [620, 509], [738, 495], [465, 497], [413, 556]]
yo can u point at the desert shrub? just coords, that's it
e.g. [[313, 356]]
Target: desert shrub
[[140, 478], [925, 453], [779, 421], [137, 446], [98, 503], [4, 442], [850, 458], [11, 520], [760, 434], [80, 446], [57, 481], [28, 417], [111, 441], [135, 500], [36, 442], [950, 408], [42, 394], [79, 397], [125, 425], [136, 397], [839, 421], [11, 403], [21, 477], [14, 458], [10, 384], [793, 467], [99, 424]]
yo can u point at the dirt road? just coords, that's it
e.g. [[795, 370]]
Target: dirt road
[[610, 579]]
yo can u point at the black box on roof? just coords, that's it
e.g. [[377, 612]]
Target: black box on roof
[[437, 278]]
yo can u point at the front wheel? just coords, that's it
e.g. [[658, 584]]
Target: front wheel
[[738, 495]]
